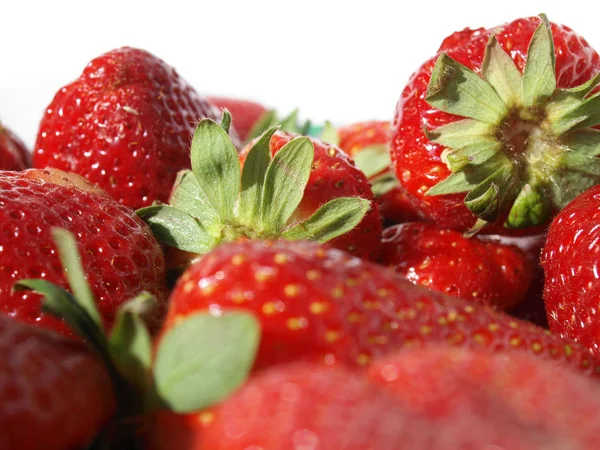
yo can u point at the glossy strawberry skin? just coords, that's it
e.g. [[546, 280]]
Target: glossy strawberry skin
[[244, 113], [318, 303], [571, 263], [439, 382], [418, 162], [475, 270], [119, 253], [124, 124], [53, 394], [334, 175], [13, 153]]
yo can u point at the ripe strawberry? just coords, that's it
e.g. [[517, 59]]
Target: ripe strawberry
[[519, 151], [53, 394], [124, 124], [570, 260], [244, 113], [446, 261], [442, 382], [13, 153], [333, 175], [307, 406], [279, 186], [120, 255], [368, 144], [319, 303]]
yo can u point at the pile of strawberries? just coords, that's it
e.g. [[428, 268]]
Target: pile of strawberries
[[191, 273]]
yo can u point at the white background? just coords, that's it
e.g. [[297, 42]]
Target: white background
[[344, 61]]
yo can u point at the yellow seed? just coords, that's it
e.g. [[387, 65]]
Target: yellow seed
[[280, 258], [355, 317], [479, 338], [238, 297], [515, 341], [469, 309], [269, 308], [536, 347], [188, 286], [452, 315], [205, 418], [208, 289], [363, 359], [263, 275], [371, 304], [297, 323], [237, 260], [568, 351], [332, 336], [338, 292], [318, 307], [383, 292], [494, 327], [379, 340], [425, 329], [442, 321], [514, 325], [313, 274], [291, 290], [351, 282]]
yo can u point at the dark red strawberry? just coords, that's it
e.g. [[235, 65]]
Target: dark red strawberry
[[312, 407], [368, 144], [13, 153], [571, 264], [280, 186], [442, 382], [124, 124], [53, 394], [333, 175], [319, 303], [244, 113], [475, 270], [517, 155], [120, 255]]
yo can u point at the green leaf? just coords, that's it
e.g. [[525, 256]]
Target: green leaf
[[461, 133], [454, 184], [70, 259], [290, 123], [474, 154], [384, 184], [531, 207], [488, 198], [216, 166], [130, 344], [585, 142], [373, 160], [253, 178], [586, 114], [333, 219], [226, 121], [500, 71], [204, 358], [575, 174], [539, 76], [266, 121], [177, 229], [61, 304], [188, 197], [584, 89], [285, 181], [330, 134], [456, 89]]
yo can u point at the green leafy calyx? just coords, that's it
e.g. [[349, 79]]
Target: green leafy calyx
[[525, 148]]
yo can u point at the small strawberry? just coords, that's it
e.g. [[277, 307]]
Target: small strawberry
[[497, 128], [124, 124], [313, 407], [571, 264], [319, 303], [539, 395], [443, 260], [120, 255], [53, 394], [368, 144], [245, 114], [290, 187], [13, 153]]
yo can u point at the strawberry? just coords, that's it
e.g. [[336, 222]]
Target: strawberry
[[245, 114], [318, 303], [496, 128], [307, 406], [53, 394], [13, 153], [124, 124], [120, 255], [442, 382], [288, 186], [444, 260], [368, 144], [570, 261]]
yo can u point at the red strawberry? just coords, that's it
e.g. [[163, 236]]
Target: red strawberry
[[314, 302], [446, 261], [120, 255], [53, 395], [571, 264], [124, 124], [443, 382], [306, 406], [519, 151], [13, 153], [334, 175], [368, 144], [244, 113]]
